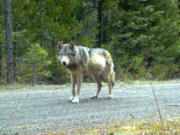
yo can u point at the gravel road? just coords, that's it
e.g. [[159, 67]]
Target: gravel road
[[48, 111]]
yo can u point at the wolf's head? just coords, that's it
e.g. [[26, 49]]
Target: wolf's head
[[66, 53]]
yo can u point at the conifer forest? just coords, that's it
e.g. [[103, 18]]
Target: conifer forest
[[143, 37]]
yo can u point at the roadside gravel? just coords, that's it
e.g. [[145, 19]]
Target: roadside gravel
[[48, 111]]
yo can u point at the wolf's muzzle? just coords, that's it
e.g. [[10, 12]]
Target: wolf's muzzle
[[64, 63]]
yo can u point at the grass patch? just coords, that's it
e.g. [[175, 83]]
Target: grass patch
[[31, 87], [54, 87], [144, 82], [22, 87], [146, 128], [143, 127]]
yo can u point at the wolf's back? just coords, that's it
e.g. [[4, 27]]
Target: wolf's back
[[85, 54]]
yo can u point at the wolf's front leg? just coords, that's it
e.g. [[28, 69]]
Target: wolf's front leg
[[73, 83], [79, 80]]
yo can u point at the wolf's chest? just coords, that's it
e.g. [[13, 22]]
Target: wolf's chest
[[72, 68]]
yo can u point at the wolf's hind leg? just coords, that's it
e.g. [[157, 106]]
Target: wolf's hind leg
[[99, 86], [110, 87], [73, 83]]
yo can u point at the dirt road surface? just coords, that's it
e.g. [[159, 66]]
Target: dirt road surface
[[48, 111]]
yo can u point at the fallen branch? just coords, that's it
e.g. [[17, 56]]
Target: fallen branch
[[155, 98]]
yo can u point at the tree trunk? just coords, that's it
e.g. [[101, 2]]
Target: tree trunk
[[14, 50], [1, 45], [35, 76], [100, 22], [0, 59], [9, 46]]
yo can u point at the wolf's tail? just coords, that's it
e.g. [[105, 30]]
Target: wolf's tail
[[110, 68]]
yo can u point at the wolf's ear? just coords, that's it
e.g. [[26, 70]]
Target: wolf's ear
[[71, 45], [59, 45]]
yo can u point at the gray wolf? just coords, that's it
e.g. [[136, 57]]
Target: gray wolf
[[82, 61]]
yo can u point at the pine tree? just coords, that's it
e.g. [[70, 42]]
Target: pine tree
[[35, 63], [143, 33]]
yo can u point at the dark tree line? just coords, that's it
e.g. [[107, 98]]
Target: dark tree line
[[142, 35]]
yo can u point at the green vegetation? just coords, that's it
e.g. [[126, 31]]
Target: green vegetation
[[142, 35], [143, 127], [22, 87], [35, 61]]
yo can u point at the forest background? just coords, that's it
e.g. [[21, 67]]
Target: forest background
[[142, 35]]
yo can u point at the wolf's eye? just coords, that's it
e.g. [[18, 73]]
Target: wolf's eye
[[70, 56]]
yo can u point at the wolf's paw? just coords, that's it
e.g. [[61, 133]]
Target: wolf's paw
[[110, 96], [94, 97], [70, 99], [75, 100]]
